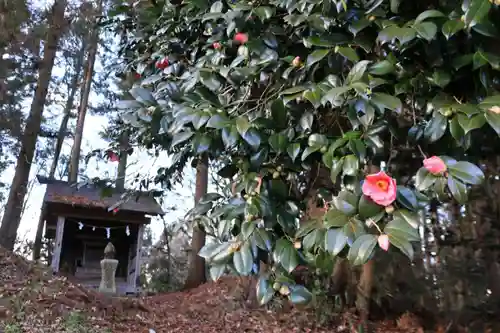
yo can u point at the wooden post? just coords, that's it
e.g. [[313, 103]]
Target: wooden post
[[138, 256], [58, 244]]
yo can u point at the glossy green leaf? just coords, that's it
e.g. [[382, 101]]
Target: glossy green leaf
[[436, 127], [316, 56], [180, 137], [451, 27], [432, 13], [412, 218], [385, 101], [457, 189], [210, 81], [346, 202], [243, 260], [335, 240], [278, 113], [351, 165], [403, 245], [400, 228], [300, 295], [278, 142], [406, 198], [426, 30], [293, 150], [306, 121], [357, 71], [317, 140], [348, 53], [288, 257], [247, 228], [470, 123], [335, 218], [382, 68], [216, 271], [229, 136], [424, 179], [264, 290], [252, 137], [477, 11], [367, 208], [493, 120], [466, 172], [264, 12], [490, 102], [361, 250]]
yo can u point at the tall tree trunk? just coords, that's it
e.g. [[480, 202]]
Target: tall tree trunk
[[196, 273], [122, 164], [84, 100], [365, 285], [63, 127], [18, 188], [67, 111]]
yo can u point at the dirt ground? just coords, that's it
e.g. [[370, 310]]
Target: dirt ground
[[31, 300]]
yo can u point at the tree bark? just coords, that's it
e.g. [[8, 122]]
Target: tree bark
[[37, 246], [196, 273], [365, 290], [122, 164], [18, 188], [67, 111], [365, 285], [84, 100]]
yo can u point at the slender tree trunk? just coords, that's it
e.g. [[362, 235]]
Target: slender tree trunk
[[18, 188], [37, 246], [365, 285], [196, 273], [67, 111], [122, 164], [84, 100]]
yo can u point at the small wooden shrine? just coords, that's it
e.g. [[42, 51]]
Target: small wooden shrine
[[80, 223]]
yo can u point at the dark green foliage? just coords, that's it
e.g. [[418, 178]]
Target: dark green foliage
[[320, 88]]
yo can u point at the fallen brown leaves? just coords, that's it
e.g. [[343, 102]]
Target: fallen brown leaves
[[39, 302]]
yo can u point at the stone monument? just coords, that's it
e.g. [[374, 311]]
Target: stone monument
[[108, 271]]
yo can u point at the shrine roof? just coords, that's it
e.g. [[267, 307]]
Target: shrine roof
[[90, 196]]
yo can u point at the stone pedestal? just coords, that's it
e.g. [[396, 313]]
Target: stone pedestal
[[108, 271]]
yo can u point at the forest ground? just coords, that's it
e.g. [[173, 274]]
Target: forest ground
[[32, 300]]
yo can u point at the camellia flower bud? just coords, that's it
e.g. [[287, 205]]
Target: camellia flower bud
[[495, 109], [241, 38], [435, 165], [243, 51], [284, 290], [297, 245], [389, 209], [296, 62], [383, 242], [162, 64], [217, 45]]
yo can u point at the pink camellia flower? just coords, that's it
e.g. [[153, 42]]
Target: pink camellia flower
[[380, 188], [241, 38], [434, 165], [383, 242], [217, 45]]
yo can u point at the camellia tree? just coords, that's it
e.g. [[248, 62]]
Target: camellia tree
[[365, 109]]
